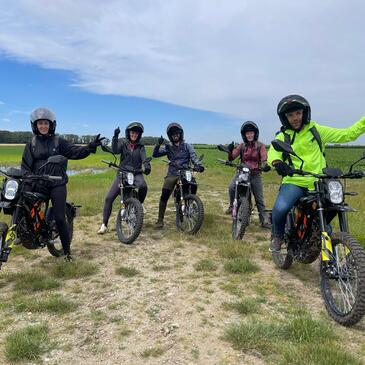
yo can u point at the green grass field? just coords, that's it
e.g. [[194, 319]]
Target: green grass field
[[89, 189]]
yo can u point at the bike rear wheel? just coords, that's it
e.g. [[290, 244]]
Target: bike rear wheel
[[190, 218], [129, 221], [242, 220], [343, 280]]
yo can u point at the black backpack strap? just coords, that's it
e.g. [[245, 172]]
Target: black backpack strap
[[317, 137], [33, 143], [286, 156], [56, 142]]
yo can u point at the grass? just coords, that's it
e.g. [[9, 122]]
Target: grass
[[128, 272], [205, 265], [28, 343], [298, 340], [73, 270], [152, 352], [31, 281], [54, 303], [244, 306], [240, 266]]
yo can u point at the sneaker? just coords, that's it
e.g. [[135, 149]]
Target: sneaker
[[159, 224], [228, 210], [103, 229], [144, 209], [266, 225], [68, 258], [275, 244]]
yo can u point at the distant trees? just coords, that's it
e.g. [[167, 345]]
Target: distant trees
[[24, 137]]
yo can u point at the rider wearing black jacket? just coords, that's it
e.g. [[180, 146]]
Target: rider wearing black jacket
[[179, 153], [132, 156], [44, 144]]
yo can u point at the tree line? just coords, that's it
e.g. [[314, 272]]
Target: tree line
[[24, 137]]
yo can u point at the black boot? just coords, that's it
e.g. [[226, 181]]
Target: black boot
[[161, 214], [275, 244]]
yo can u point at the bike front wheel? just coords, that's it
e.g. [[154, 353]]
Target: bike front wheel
[[190, 214], [343, 280], [129, 221], [242, 219]]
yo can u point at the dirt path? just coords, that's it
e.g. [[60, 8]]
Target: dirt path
[[167, 313]]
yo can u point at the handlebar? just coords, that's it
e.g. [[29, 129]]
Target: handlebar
[[116, 167], [231, 164], [350, 175]]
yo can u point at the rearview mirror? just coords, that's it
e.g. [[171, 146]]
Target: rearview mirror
[[222, 148], [57, 159], [106, 148], [281, 146]]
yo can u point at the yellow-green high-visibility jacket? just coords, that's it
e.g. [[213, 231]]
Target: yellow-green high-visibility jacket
[[306, 146]]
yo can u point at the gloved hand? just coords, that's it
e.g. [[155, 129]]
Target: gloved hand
[[199, 168], [266, 168], [95, 143], [147, 169], [116, 132], [231, 147], [161, 140], [283, 169]]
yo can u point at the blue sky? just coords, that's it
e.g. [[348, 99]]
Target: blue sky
[[208, 64]]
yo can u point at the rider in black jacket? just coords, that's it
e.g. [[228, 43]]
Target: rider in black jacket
[[44, 144], [132, 155]]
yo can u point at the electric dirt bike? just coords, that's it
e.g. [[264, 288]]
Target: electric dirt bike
[[129, 220], [308, 235], [32, 219], [189, 207], [242, 203]]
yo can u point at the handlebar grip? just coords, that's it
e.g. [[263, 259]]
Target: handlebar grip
[[55, 177]]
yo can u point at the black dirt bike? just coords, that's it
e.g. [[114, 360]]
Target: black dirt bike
[[189, 207], [242, 203], [129, 220], [32, 220], [308, 234]]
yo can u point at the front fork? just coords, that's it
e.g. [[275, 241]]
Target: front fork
[[122, 204], [182, 202], [326, 243], [8, 239]]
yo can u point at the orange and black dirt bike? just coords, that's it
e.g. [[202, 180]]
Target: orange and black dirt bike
[[309, 235], [32, 221]]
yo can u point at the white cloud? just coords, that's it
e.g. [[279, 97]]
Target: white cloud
[[1, 102], [6, 120], [237, 57]]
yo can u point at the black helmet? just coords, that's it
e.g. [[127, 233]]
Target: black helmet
[[291, 103], [43, 113], [249, 127], [134, 126], [174, 127]]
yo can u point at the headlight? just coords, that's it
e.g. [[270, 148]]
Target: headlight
[[245, 169], [130, 178], [188, 175], [243, 176], [335, 191], [11, 188]]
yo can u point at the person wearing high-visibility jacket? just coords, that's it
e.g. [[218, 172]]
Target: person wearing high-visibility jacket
[[308, 140]]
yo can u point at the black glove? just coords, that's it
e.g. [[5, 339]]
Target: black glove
[[266, 168], [231, 147], [95, 143], [147, 169], [116, 132], [199, 168], [161, 140], [283, 169]]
